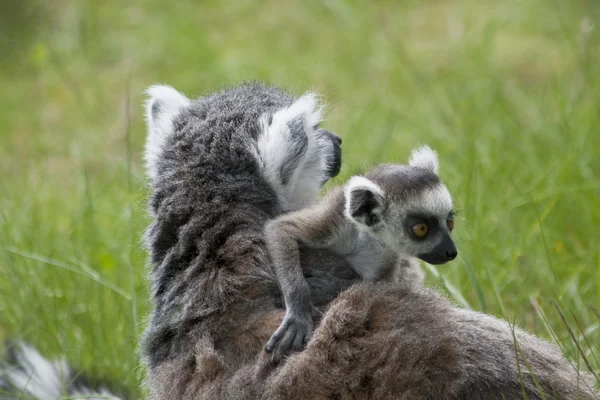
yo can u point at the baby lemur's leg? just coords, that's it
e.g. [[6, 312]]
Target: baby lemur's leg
[[327, 274], [314, 227], [333, 275]]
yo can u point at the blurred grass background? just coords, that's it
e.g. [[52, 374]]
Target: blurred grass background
[[508, 92]]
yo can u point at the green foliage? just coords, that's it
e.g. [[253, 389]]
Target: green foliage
[[507, 92]]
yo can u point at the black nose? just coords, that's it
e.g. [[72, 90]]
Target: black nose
[[335, 138], [451, 254], [334, 159]]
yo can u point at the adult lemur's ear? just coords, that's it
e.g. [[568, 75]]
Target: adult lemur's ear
[[163, 105], [291, 153], [424, 157], [364, 202]]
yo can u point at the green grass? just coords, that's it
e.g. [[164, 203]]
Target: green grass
[[508, 92]]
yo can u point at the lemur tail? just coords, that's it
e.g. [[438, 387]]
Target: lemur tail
[[26, 374]]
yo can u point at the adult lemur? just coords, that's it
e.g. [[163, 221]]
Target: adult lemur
[[378, 223], [220, 168]]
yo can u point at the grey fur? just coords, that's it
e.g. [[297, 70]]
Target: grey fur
[[357, 223], [215, 296]]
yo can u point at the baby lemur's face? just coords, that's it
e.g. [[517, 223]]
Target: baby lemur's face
[[406, 207], [420, 223]]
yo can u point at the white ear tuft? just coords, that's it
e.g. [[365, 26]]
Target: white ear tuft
[[307, 107], [424, 157], [289, 152], [360, 182], [163, 105], [364, 201]]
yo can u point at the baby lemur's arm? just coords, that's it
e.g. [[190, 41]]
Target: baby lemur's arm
[[317, 227]]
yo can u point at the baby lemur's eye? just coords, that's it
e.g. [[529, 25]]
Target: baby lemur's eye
[[420, 229], [450, 223]]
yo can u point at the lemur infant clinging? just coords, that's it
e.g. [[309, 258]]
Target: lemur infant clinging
[[378, 223]]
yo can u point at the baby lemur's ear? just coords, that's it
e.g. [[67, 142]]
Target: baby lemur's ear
[[424, 157], [364, 202]]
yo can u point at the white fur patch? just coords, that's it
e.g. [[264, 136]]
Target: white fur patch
[[37, 377], [359, 183], [168, 103], [306, 106], [436, 201], [424, 157], [273, 152]]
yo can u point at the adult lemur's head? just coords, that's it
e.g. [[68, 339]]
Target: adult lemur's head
[[283, 135]]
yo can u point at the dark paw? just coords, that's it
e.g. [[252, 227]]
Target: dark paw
[[292, 335]]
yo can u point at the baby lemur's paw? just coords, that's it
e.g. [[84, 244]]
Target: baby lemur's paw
[[292, 335]]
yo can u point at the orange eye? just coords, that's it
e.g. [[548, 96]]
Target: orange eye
[[420, 230], [450, 223]]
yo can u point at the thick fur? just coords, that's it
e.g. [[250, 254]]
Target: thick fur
[[216, 300]]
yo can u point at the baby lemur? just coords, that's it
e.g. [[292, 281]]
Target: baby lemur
[[377, 223]]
